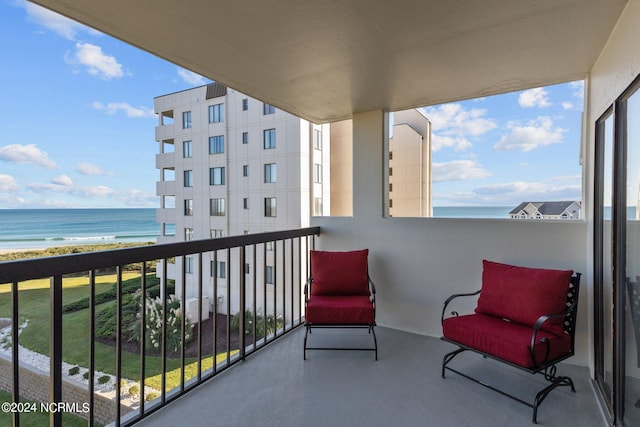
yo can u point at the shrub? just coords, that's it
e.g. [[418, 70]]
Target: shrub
[[150, 396], [273, 323], [104, 379], [74, 371], [134, 390], [173, 326]]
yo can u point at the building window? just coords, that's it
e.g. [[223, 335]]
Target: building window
[[245, 170], [216, 176], [186, 149], [270, 173], [270, 246], [216, 144], [216, 232], [317, 139], [245, 104], [188, 207], [217, 207], [247, 268], [188, 178], [188, 263], [245, 137], [270, 206], [269, 138], [216, 113], [269, 275], [188, 234], [245, 203], [317, 173], [219, 269], [268, 109], [186, 120]]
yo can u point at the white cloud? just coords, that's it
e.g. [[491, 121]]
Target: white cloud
[[8, 183], [455, 119], [26, 154], [578, 88], [57, 23], [568, 105], [86, 168], [537, 97], [97, 62], [191, 77], [536, 133], [114, 107], [80, 191], [452, 124], [457, 170], [62, 180], [530, 191], [458, 143]]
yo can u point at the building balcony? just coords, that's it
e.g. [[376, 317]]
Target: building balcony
[[275, 386]]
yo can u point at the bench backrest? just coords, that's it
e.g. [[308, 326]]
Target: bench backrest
[[523, 294]]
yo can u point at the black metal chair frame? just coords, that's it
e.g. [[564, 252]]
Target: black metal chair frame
[[546, 367], [370, 326]]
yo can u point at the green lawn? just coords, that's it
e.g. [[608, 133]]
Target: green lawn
[[34, 306]]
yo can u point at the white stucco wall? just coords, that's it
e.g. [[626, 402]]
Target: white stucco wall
[[417, 263]]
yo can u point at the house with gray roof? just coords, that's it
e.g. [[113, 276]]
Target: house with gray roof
[[547, 210]]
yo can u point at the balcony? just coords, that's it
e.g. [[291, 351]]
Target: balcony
[[273, 386]]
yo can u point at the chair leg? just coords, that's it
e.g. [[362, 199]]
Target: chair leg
[[550, 375], [308, 328], [448, 357], [375, 341]]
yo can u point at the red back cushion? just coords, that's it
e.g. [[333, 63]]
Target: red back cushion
[[339, 273], [522, 294]]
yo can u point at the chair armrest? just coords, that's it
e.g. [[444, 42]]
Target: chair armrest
[[538, 325], [307, 289], [451, 298], [372, 285]]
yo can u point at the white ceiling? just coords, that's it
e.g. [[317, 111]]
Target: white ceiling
[[327, 59]]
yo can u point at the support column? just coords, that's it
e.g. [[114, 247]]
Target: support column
[[370, 143]]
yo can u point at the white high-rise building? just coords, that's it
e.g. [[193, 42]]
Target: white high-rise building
[[229, 165]]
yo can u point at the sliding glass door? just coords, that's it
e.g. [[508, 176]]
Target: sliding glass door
[[617, 258]]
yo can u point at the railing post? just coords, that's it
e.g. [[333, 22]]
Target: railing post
[[243, 302], [15, 355], [55, 339]]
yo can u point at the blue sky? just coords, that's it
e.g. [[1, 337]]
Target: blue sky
[[506, 149], [77, 113], [78, 126]]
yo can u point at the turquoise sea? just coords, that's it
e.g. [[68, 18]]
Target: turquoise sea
[[42, 228]]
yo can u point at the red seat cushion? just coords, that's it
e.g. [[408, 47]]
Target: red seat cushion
[[505, 340], [340, 310], [339, 273], [524, 294]]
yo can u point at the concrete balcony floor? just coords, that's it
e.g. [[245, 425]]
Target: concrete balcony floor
[[276, 387]]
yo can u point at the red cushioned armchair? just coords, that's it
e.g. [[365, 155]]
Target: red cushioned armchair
[[525, 318], [340, 294]]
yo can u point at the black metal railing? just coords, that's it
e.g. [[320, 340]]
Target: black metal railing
[[255, 285]]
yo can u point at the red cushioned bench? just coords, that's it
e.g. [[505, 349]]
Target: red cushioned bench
[[340, 294], [525, 317]]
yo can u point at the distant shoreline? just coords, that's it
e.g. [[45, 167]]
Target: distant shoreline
[[24, 253]]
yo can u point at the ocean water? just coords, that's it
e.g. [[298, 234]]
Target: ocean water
[[472, 211], [43, 228]]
